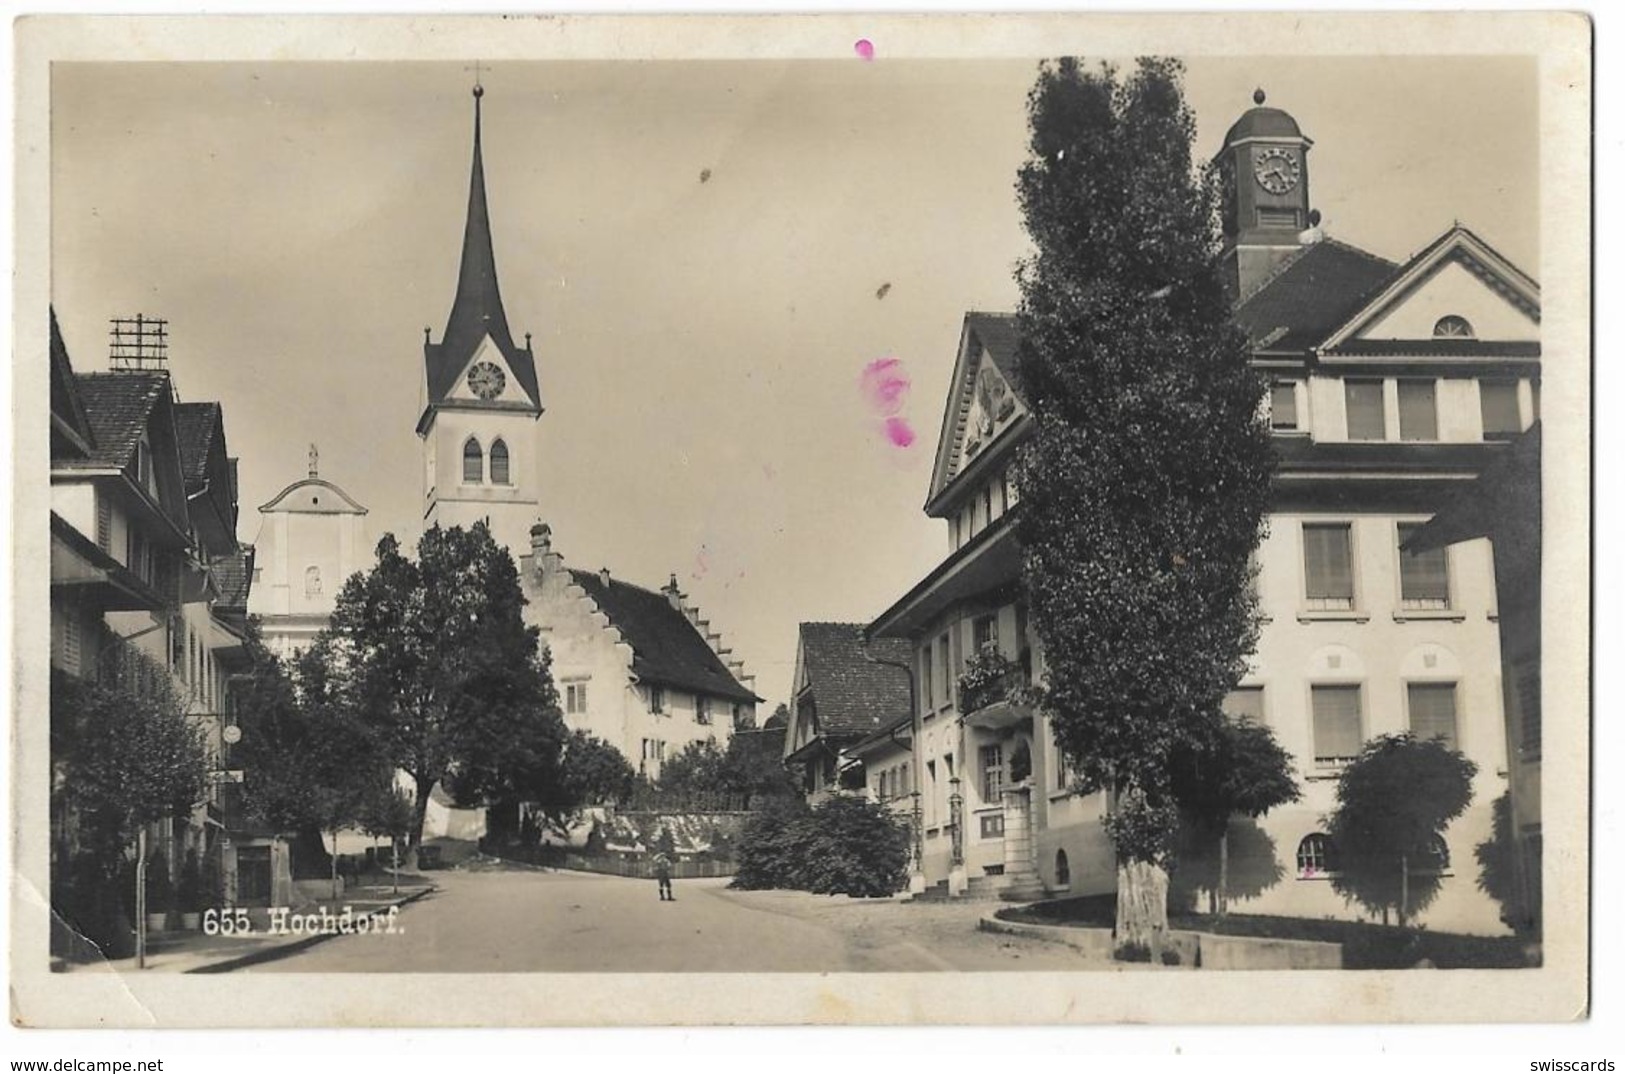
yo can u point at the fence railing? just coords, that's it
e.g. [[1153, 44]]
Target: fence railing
[[638, 866]]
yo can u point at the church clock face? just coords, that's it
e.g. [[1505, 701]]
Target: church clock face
[[486, 380], [1276, 169]]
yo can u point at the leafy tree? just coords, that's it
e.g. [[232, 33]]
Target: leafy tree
[[698, 772], [1145, 480], [447, 675], [1393, 804], [388, 813], [595, 773], [1499, 872], [1236, 768], [309, 763], [755, 766], [124, 754]]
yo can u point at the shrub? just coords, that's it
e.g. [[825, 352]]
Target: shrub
[[770, 852], [855, 847]]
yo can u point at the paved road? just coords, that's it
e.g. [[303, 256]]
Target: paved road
[[532, 921]]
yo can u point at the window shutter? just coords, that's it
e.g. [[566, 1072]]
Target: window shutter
[[1418, 410], [1337, 722], [1498, 401], [1328, 563], [1364, 403], [1284, 405], [1424, 577], [104, 524], [1433, 711]]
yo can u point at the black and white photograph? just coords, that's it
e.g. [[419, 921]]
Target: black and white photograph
[[1024, 510]]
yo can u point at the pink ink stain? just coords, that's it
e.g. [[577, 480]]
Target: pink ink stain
[[885, 383], [899, 432], [864, 48]]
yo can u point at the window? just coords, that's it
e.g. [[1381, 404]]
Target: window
[[1526, 681], [1245, 704], [702, 709], [984, 630], [1365, 409], [1317, 857], [144, 475], [987, 503], [931, 792], [104, 524], [499, 463], [992, 825], [927, 680], [1452, 327], [1328, 566], [1418, 410], [942, 660], [1498, 401], [473, 462], [904, 786], [992, 758], [313, 581], [1433, 711], [1337, 724], [1284, 405], [1063, 870], [1063, 770], [1424, 577], [1004, 493], [657, 699], [575, 698]]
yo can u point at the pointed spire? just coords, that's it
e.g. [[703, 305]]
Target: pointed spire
[[479, 301]]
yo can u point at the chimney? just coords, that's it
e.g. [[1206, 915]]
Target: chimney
[[673, 595], [603, 577], [544, 560]]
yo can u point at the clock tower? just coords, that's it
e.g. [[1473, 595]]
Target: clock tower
[[1265, 175], [481, 400]]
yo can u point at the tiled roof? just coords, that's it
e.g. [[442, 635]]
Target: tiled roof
[[195, 425], [118, 405], [852, 694], [666, 647], [999, 335], [1438, 348], [1312, 295], [67, 412], [232, 575]]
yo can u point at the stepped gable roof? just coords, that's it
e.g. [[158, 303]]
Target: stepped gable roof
[[666, 648], [477, 310], [1001, 337], [1312, 295], [118, 406], [68, 419], [852, 693]]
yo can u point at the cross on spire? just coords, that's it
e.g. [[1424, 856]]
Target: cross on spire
[[477, 68], [313, 457]]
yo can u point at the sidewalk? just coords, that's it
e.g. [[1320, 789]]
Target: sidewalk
[[195, 952]]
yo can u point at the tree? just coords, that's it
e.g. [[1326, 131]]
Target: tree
[[309, 763], [1146, 477], [1393, 804], [388, 813], [844, 845], [697, 774], [595, 773], [124, 755], [446, 673], [1238, 769], [1499, 875]]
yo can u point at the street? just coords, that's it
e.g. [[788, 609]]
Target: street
[[525, 921]]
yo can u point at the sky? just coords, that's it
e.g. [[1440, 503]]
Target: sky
[[708, 253]]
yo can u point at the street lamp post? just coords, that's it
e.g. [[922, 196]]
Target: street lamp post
[[956, 818]]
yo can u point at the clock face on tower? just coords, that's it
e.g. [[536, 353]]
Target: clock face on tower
[[1276, 169], [486, 380]]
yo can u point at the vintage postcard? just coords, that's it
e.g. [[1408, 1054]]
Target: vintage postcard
[[829, 519]]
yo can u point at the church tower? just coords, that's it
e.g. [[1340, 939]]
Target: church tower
[[1265, 175], [481, 400]]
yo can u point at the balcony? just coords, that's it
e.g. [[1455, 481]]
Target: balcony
[[995, 692]]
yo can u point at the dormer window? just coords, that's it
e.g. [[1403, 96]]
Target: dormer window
[[1452, 327], [473, 462]]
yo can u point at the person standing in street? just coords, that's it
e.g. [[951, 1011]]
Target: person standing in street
[[662, 865]]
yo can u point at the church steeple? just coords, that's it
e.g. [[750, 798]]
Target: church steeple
[[477, 312]]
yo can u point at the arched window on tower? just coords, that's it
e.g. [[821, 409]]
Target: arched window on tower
[[473, 462], [499, 463]]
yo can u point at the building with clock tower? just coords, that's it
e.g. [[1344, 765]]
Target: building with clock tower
[[1263, 171], [481, 399]]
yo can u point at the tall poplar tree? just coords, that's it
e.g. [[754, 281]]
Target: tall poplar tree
[[1145, 482]]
